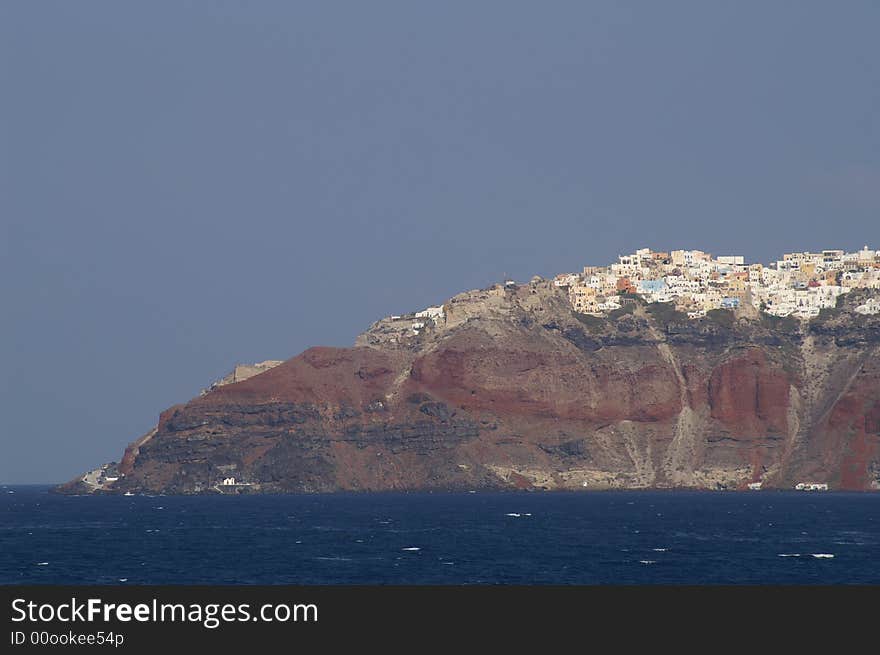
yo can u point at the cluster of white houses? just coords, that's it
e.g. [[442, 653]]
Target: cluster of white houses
[[800, 284]]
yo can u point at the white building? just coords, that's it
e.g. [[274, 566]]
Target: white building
[[611, 303], [433, 313], [870, 307], [564, 280], [866, 255]]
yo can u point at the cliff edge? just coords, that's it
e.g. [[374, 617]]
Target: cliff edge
[[509, 388]]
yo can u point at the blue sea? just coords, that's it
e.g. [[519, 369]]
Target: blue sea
[[456, 538]]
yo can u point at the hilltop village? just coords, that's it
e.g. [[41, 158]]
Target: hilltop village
[[800, 284]]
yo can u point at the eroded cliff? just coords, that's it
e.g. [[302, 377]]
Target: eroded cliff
[[511, 389]]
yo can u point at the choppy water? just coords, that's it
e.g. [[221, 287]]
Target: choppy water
[[477, 538]]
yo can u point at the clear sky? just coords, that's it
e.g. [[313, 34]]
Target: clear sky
[[187, 185]]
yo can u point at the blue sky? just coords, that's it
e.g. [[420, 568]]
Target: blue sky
[[185, 185]]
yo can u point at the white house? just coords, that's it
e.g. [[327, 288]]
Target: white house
[[431, 312], [870, 307], [564, 280]]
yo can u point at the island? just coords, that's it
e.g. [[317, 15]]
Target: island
[[662, 370]]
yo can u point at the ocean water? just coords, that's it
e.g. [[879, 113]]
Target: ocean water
[[462, 538]]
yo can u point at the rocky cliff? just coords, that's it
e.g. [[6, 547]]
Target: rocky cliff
[[509, 388]]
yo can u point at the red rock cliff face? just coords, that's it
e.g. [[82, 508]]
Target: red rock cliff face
[[844, 447], [748, 395], [540, 378], [512, 390]]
